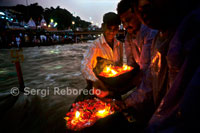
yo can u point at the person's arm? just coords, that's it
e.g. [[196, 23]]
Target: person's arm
[[121, 53], [142, 92], [145, 56], [88, 63], [141, 100]]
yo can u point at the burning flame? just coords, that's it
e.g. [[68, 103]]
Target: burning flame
[[156, 63], [77, 114], [86, 113], [113, 71], [103, 113]]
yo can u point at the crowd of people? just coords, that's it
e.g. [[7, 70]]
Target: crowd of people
[[9, 39], [163, 40]]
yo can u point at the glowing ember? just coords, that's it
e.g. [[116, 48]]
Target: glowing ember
[[113, 71], [77, 114], [86, 113], [103, 113]]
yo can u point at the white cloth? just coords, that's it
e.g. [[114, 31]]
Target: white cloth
[[100, 48]]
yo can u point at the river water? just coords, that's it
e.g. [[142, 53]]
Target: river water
[[45, 67]]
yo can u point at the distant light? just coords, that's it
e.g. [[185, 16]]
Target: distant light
[[92, 22], [51, 20], [73, 22], [45, 24], [94, 36], [2, 13], [6, 17], [49, 25], [55, 24], [99, 35], [2, 17], [11, 19]]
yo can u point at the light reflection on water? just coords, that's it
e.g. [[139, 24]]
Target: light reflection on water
[[46, 66]]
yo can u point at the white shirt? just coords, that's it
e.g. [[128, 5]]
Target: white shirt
[[100, 48]]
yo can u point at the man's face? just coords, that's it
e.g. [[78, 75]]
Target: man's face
[[153, 13], [130, 21], [110, 31]]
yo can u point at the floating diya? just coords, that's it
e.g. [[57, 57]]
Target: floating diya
[[85, 113]]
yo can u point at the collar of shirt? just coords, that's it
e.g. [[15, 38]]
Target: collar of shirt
[[103, 41], [104, 45]]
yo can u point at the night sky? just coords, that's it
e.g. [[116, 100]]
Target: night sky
[[89, 10]]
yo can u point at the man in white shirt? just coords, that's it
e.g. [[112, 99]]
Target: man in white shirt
[[107, 47]]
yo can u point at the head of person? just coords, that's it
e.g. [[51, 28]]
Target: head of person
[[152, 12], [161, 14], [110, 25], [128, 17]]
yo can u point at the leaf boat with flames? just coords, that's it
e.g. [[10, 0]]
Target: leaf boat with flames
[[113, 71], [115, 76], [85, 113]]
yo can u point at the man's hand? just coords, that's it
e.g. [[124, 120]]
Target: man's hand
[[100, 93], [100, 85], [100, 89], [121, 104]]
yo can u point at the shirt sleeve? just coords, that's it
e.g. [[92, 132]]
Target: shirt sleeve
[[128, 52], [121, 53], [88, 63], [146, 48], [142, 96], [150, 36]]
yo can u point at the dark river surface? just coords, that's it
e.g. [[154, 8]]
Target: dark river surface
[[45, 67]]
